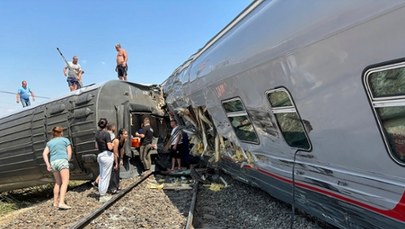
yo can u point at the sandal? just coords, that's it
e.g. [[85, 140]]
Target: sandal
[[64, 207], [115, 191]]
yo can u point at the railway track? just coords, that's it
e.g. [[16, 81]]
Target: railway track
[[87, 219], [144, 203], [152, 201]]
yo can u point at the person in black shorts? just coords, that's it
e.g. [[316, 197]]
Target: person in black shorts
[[73, 71], [122, 62], [176, 146]]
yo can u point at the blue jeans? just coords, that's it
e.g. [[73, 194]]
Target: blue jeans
[[25, 102]]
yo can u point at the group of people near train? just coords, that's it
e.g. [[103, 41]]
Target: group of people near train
[[58, 153], [74, 74], [111, 148], [110, 157], [175, 145]]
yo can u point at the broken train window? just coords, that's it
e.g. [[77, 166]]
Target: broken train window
[[240, 121], [287, 117]]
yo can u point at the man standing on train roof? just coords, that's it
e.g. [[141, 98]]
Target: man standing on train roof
[[23, 94], [74, 75], [122, 62]]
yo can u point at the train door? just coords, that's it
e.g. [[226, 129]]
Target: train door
[[121, 112], [123, 118], [130, 117]]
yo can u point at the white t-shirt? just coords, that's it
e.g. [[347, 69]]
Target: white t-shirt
[[74, 69], [176, 138]]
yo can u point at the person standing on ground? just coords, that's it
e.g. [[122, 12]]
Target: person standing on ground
[[115, 176], [60, 151], [122, 62], [23, 94], [176, 145], [119, 143], [146, 144], [105, 158], [74, 73], [111, 130]]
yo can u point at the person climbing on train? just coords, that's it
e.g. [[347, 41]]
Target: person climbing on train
[[60, 151], [105, 158]]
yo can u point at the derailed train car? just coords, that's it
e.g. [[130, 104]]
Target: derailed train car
[[23, 134], [306, 100]]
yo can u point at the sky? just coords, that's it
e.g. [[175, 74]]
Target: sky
[[158, 35]]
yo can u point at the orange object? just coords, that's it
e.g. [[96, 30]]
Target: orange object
[[136, 142]]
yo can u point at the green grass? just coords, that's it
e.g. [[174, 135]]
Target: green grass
[[7, 208]]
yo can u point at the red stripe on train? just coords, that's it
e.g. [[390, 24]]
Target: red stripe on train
[[397, 213]]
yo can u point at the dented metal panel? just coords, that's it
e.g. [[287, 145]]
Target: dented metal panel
[[318, 51]]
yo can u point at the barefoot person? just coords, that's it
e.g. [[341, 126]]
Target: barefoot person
[[122, 59], [60, 151]]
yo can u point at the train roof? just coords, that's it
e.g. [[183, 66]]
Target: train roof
[[86, 88], [283, 26]]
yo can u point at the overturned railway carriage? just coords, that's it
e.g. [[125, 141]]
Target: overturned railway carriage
[[306, 99], [23, 135]]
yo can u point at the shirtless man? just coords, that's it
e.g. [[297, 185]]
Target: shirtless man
[[74, 76], [122, 59]]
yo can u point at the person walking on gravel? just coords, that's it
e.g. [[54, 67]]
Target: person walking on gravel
[[60, 151]]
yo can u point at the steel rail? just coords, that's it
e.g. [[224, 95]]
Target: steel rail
[[87, 219], [190, 217]]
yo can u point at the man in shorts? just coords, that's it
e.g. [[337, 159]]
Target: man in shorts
[[74, 72], [176, 146], [122, 59]]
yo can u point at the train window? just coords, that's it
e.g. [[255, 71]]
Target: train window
[[240, 121], [287, 117], [387, 83], [386, 89], [233, 106]]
